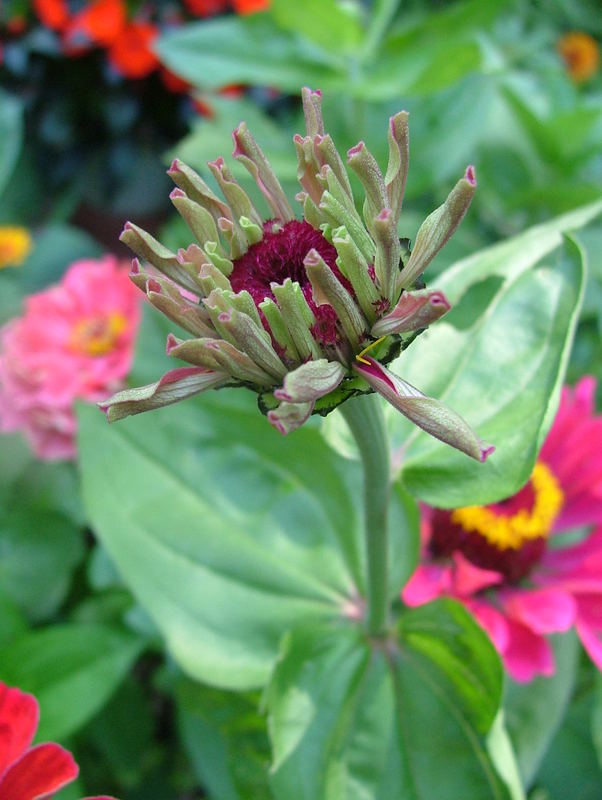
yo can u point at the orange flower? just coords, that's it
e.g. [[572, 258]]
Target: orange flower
[[52, 13], [206, 8], [102, 20], [15, 244], [131, 52], [173, 82], [250, 6], [581, 55]]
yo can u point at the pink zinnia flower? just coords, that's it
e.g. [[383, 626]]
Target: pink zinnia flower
[[508, 562], [75, 340], [29, 773]]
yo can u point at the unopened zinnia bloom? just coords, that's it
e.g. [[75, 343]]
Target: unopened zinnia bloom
[[26, 772], [74, 341], [581, 55], [305, 312], [512, 564], [15, 244]]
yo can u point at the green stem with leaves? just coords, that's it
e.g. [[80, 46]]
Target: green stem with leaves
[[364, 416]]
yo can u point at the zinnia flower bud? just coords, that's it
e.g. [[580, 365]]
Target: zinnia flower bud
[[288, 307]]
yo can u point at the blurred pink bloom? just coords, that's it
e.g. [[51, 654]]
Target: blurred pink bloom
[[509, 562], [26, 772], [75, 340]]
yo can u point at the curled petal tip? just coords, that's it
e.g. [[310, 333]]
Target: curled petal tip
[[135, 270], [176, 193], [127, 227], [486, 451], [470, 175], [174, 166], [153, 285], [353, 151], [171, 343]]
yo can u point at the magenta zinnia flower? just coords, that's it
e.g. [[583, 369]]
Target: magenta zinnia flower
[[26, 772], [509, 562], [74, 341], [288, 307]]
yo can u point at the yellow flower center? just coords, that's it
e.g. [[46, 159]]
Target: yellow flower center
[[15, 244], [513, 531], [97, 336]]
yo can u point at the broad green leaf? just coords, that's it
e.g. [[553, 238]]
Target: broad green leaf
[[71, 669], [39, 550], [328, 23], [535, 710], [511, 257], [503, 374], [571, 767], [226, 740], [249, 50], [402, 721], [11, 131], [227, 533], [428, 54]]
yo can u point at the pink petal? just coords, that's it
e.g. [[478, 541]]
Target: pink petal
[[527, 654], [494, 623], [39, 773], [541, 610], [19, 715], [428, 582], [469, 579]]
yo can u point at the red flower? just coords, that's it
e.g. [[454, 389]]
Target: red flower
[[52, 13], [250, 6], [206, 8], [102, 21], [131, 52], [30, 773], [173, 82]]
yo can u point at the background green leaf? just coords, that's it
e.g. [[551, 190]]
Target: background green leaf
[[71, 669]]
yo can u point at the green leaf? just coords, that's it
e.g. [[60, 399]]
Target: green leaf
[[11, 132], [226, 741], [503, 374], [428, 54], [39, 550], [571, 767], [512, 257], [328, 23], [71, 669], [250, 50], [227, 533], [404, 720], [535, 710], [54, 250]]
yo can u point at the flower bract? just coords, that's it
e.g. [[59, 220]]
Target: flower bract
[[512, 563], [305, 312]]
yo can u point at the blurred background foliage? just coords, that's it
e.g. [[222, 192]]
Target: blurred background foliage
[[85, 137]]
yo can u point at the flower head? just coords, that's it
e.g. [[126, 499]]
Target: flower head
[[26, 772], [509, 562], [75, 340], [15, 244], [291, 307], [581, 55], [131, 50]]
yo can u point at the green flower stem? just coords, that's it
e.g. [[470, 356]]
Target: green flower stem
[[365, 419]]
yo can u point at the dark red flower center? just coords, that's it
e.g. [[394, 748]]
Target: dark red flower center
[[279, 255], [509, 536]]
